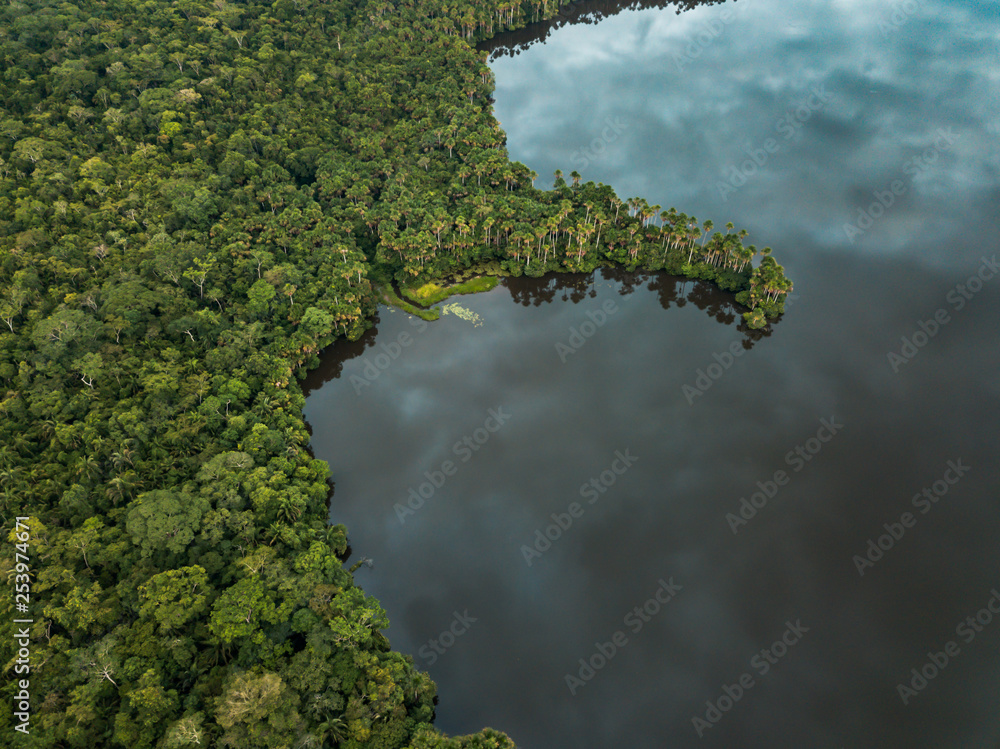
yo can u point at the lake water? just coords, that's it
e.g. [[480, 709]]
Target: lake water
[[796, 121]]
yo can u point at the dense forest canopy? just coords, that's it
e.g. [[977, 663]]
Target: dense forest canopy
[[195, 199]]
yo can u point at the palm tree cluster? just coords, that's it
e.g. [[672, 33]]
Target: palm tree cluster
[[578, 228]]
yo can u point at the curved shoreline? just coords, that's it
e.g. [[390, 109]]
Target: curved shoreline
[[198, 205]]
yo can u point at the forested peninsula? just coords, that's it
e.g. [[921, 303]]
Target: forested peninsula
[[196, 198]]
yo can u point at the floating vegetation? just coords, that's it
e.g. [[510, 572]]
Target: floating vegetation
[[463, 312]]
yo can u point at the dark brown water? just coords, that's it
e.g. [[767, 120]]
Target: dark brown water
[[616, 419]]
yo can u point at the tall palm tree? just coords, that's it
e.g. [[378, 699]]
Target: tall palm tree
[[599, 219], [336, 730], [707, 227], [692, 234]]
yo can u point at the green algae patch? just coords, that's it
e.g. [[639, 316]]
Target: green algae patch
[[388, 295], [433, 292]]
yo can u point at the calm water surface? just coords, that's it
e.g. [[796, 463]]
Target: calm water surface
[[680, 109]]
